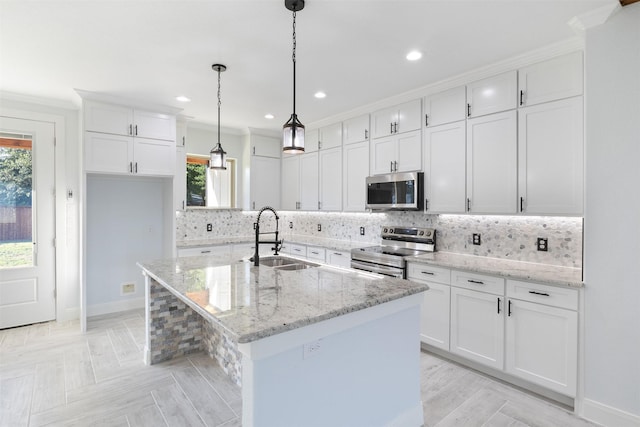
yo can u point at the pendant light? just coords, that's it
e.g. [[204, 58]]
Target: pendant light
[[293, 130], [217, 160]]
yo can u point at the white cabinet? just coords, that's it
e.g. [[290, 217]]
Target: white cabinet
[[477, 326], [265, 146], [398, 119], [557, 78], [180, 179], [265, 182], [309, 181], [550, 151], [290, 197], [330, 180], [445, 107], [492, 95], [204, 250], [247, 250], [434, 318], [445, 168], [311, 140], [397, 153], [123, 120], [330, 136], [116, 154], [297, 250], [338, 258], [542, 337], [316, 253], [355, 172], [355, 129], [492, 163]]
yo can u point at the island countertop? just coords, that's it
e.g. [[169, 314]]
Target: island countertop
[[251, 303]]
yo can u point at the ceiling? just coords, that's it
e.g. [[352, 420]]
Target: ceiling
[[354, 50]]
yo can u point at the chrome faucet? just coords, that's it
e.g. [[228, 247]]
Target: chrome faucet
[[276, 242]]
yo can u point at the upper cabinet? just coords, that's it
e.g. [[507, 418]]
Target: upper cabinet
[[265, 146], [330, 136], [396, 153], [355, 172], [492, 95], [557, 78], [330, 180], [123, 120], [264, 170], [398, 119], [445, 107], [311, 140], [355, 129]]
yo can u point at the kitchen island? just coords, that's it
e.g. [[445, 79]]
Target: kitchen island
[[314, 346]]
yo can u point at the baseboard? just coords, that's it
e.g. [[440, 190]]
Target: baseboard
[[115, 306], [608, 416], [413, 417]]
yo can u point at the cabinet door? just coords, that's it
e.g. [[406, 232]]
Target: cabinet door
[[355, 172], [477, 326], [331, 136], [383, 154], [492, 163], [542, 344], [550, 151], [434, 318], [180, 180], [309, 177], [316, 254], [339, 258], [108, 153], [446, 107], [107, 118], [445, 168], [492, 95], [181, 133], [154, 157], [409, 152], [265, 146], [409, 116], [355, 129], [290, 182], [331, 179], [265, 182], [383, 120], [557, 78], [147, 124], [311, 140]]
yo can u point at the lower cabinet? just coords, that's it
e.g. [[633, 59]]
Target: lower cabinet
[[338, 258], [316, 253]]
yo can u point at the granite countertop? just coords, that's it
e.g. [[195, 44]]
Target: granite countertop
[[256, 302], [335, 244], [540, 273]]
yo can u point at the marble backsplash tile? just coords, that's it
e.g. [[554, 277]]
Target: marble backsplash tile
[[508, 237]]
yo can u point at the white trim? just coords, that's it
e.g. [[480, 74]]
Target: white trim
[[607, 415], [214, 128], [110, 99], [579, 24], [412, 417], [115, 306], [47, 102]]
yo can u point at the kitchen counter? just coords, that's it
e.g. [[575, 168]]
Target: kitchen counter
[[333, 244], [275, 332], [540, 273]]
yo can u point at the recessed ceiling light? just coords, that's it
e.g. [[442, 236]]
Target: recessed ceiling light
[[320, 95], [182, 98], [269, 116], [414, 55]]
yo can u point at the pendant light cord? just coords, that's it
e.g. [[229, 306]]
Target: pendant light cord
[[294, 64], [219, 104]]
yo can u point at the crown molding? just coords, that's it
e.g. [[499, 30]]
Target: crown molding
[[30, 99], [581, 23], [135, 103]]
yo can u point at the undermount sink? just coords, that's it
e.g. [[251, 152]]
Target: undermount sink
[[283, 263]]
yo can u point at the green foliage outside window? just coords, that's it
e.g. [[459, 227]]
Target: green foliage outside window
[[196, 184], [15, 177]]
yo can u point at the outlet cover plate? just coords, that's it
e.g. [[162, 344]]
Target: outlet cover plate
[[542, 243], [476, 239]]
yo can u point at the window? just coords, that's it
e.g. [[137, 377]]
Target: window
[[209, 187]]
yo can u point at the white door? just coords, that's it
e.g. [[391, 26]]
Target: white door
[[27, 222]]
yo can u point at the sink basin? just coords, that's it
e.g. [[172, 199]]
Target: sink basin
[[283, 263]]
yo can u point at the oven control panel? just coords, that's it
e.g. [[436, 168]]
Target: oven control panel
[[409, 234]]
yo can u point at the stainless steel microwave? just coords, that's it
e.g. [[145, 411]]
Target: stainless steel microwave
[[395, 191]]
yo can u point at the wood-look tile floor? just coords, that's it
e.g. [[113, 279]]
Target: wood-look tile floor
[[51, 374]]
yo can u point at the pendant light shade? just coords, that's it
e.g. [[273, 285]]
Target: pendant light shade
[[293, 130], [218, 155]]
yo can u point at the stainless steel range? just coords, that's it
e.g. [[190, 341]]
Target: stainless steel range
[[397, 243]]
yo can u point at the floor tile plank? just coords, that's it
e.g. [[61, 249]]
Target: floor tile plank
[[175, 407], [49, 389], [149, 416], [15, 400]]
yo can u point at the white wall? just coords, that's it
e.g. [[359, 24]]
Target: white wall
[[612, 220]]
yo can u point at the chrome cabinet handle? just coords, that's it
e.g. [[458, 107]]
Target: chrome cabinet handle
[[521, 204], [521, 97], [366, 134], [468, 110], [544, 294], [136, 133], [426, 120], [468, 205], [130, 167], [477, 282], [498, 305], [130, 129], [509, 309], [427, 272]]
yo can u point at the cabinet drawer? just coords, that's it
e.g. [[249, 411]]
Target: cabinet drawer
[[316, 253], [543, 294], [424, 272], [338, 258], [478, 282], [204, 250], [298, 250]]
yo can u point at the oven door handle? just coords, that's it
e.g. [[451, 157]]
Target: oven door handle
[[380, 269]]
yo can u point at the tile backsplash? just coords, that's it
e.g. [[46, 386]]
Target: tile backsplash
[[508, 237]]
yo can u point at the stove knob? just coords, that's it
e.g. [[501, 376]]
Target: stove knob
[[391, 231], [422, 233], [428, 233], [384, 231]]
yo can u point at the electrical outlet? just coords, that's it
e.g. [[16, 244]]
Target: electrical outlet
[[128, 288], [311, 349], [542, 244], [319, 227], [476, 239], [362, 231], [209, 227], [290, 224], [255, 224]]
